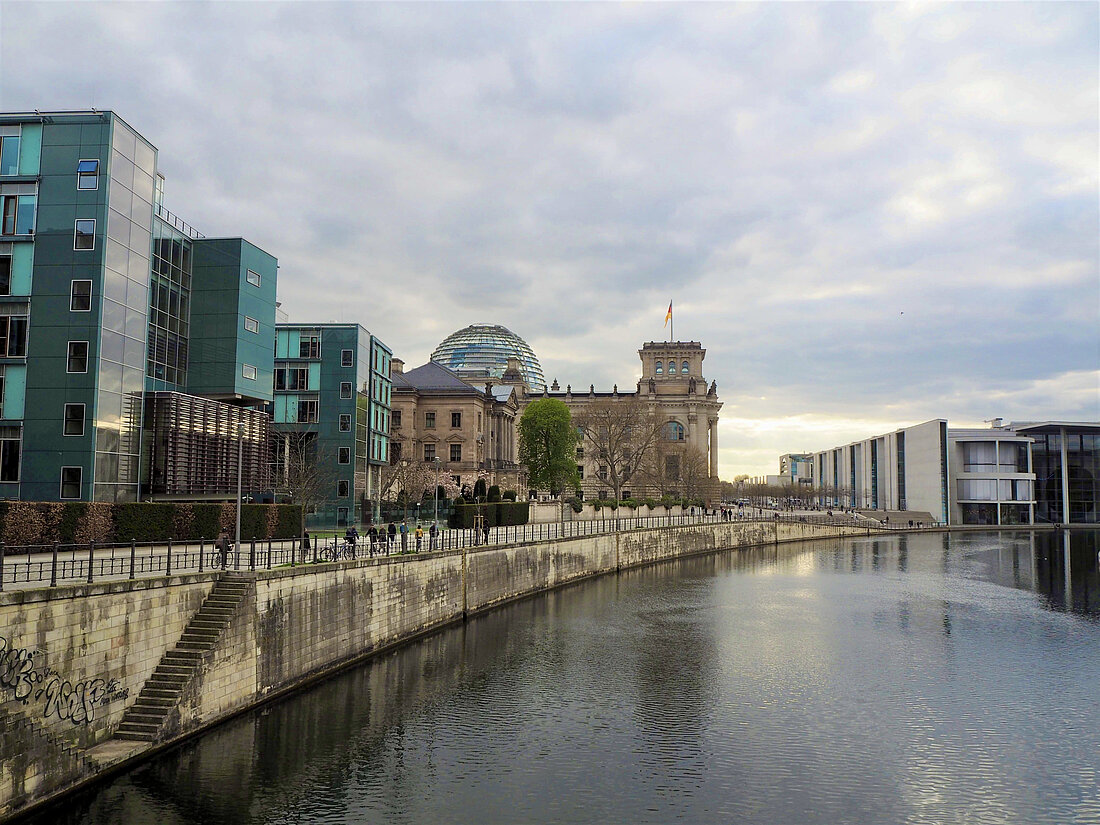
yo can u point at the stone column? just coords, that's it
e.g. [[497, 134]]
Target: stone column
[[713, 428]]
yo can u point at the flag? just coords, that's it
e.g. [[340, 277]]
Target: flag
[[668, 317]]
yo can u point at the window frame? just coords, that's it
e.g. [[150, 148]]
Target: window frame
[[316, 417], [18, 146], [245, 368], [345, 389], [343, 455], [18, 442], [344, 423], [69, 358], [72, 294], [248, 273], [79, 483], [7, 256], [347, 358], [456, 448], [429, 420], [395, 418], [429, 446], [66, 420], [81, 175], [456, 420], [77, 235], [344, 485], [255, 328]]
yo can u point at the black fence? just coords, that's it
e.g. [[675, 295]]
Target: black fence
[[34, 565]]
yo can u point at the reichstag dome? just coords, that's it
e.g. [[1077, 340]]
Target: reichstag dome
[[483, 350]]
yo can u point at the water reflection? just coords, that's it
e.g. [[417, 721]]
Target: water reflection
[[921, 678]]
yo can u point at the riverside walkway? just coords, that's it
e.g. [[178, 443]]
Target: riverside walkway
[[35, 566]]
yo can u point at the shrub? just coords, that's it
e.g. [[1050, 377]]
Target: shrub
[[576, 504], [141, 521], [494, 493], [205, 521], [479, 489], [509, 495], [96, 524]]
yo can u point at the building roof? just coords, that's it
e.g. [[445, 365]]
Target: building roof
[[433, 377]]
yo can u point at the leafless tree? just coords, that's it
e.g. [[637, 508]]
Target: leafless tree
[[619, 432], [302, 472]]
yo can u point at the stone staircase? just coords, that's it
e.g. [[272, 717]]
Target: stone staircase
[[160, 695]]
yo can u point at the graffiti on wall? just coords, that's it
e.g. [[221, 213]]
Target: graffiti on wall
[[32, 682]]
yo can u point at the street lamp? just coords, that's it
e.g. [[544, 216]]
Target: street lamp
[[438, 462]]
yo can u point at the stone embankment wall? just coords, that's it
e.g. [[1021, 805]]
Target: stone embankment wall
[[73, 658]]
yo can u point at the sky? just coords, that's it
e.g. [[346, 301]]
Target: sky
[[870, 215]]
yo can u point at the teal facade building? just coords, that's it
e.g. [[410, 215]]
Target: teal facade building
[[103, 298], [331, 417]]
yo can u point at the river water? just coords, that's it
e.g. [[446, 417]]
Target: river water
[[907, 679]]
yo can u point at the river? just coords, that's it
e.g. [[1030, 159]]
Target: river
[[929, 678]]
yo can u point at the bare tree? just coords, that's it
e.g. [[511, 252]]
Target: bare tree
[[619, 432], [302, 474]]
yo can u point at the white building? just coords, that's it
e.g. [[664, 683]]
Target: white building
[[960, 476]]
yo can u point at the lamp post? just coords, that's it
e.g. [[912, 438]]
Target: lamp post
[[438, 462]]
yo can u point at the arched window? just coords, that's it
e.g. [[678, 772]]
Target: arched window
[[684, 368], [660, 367], [674, 431], [671, 367]]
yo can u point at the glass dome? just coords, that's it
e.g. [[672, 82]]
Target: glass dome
[[483, 350]]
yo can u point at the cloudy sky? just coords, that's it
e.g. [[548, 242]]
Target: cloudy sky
[[870, 215]]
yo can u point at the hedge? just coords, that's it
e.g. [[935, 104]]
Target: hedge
[[77, 522], [497, 514]]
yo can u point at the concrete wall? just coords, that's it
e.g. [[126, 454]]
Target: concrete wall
[[95, 646], [71, 660]]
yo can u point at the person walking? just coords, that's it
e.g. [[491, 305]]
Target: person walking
[[305, 544], [431, 536], [392, 538], [419, 536], [404, 537], [485, 527], [372, 537], [222, 545]]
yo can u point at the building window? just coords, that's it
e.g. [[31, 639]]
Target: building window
[[252, 277], [660, 368], [9, 155], [674, 431], [307, 412], [5, 274], [429, 420], [684, 368], [345, 423], [80, 296], [251, 324], [70, 481], [87, 174], [346, 356], [603, 473], [344, 456], [395, 452], [342, 488], [248, 371], [10, 450], [309, 346], [456, 452], [429, 452], [18, 214], [580, 471], [456, 420], [395, 418], [345, 389], [77, 357], [580, 453], [671, 367], [13, 336], [74, 419], [84, 234]]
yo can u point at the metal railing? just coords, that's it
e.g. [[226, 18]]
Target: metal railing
[[33, 565]]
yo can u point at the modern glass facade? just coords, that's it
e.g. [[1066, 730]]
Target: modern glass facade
[[483, 350], [93, 313], [1066, 460], [331, 416]]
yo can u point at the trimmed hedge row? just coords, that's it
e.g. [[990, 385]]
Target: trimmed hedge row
[[497, 514], [80, 522]]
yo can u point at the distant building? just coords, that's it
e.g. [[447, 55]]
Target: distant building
[[480, 353], [124, 331], [1022, 473], [461, 427], [796, 468], [331, 420]]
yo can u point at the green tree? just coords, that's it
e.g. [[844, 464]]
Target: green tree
[[548, 444]]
